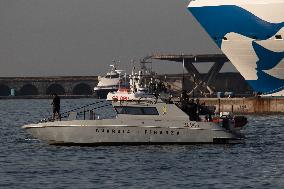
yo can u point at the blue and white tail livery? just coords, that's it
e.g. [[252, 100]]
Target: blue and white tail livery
[[250, 33]]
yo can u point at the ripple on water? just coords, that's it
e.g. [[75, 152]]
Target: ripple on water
[[28, 162]]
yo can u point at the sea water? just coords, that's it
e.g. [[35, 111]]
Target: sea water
[[26, 162]]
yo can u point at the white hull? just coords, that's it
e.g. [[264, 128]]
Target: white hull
[[129, 96], [136, 123], [122, 134]]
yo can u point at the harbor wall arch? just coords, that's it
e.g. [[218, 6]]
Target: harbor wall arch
[[4, 90], [82, 89], [29, 89], [55, 88]]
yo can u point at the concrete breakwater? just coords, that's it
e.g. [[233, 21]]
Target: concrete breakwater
[[247, 105]]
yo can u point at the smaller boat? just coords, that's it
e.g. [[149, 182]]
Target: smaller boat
[[135, 92], [109, 83]]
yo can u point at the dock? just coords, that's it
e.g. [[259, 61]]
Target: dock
[[251, 105]]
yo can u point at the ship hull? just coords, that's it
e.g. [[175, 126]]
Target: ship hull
[[250, 36], [102, 93], [121, 134]]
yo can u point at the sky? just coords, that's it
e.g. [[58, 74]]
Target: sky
[[82, 37]]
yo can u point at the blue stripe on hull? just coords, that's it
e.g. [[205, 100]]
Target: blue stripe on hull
[[266, 84], [220, 20], [267, 60]]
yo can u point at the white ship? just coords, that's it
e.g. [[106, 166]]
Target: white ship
[[136, 122], [136, 91], [109, 83]]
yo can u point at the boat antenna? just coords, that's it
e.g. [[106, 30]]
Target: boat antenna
[[125, 79], [119, 79], [119, 73], [182, 85], [133, 65]]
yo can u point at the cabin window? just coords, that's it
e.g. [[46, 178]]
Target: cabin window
[[278, 37], [150, 111], [225, 38], [136, 110], [112, 76]]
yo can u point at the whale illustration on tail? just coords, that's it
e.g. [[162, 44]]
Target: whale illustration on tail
[[250, 36]]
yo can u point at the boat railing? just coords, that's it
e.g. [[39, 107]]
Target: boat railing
[[82, 112]]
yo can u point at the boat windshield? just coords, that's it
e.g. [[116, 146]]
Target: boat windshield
[[136, 110], [112, 76]]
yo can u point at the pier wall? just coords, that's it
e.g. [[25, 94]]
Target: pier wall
[[83, 85], [40, 86], [247, 105]]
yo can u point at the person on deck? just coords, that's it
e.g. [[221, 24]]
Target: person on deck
[[56, 106], [184, 98]]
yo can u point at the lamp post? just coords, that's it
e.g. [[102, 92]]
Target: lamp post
[[193, 86], [182, 85]]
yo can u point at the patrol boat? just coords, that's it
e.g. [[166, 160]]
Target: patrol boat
[[136, 122]]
